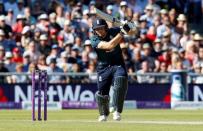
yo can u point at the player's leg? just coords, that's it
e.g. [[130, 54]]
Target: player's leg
[[119, 92], [102, 96], [103, 105]]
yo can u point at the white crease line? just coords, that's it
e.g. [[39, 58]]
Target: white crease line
[[123, 121]]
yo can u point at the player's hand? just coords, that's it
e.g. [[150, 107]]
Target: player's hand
[[125, 29]]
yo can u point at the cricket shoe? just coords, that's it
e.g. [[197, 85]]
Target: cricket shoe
[[102, 118], [116, 116]]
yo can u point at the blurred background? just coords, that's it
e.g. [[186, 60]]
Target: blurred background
[[54, 35]]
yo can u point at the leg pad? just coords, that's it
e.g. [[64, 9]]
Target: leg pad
[[103, 103]]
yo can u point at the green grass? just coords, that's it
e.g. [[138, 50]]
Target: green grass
[[86, 120]]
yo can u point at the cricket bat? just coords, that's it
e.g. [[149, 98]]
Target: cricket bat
[[115, 21]]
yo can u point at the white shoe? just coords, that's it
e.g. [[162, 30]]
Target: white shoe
[[116, 116], [102, 118]]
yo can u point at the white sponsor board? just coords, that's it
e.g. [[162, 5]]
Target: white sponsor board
[[27, 105], [130, 104], [187, 105]]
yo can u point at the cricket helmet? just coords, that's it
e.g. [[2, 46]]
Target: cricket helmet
[[97, 23]]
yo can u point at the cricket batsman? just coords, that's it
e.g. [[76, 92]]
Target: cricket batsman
[[110, 67]]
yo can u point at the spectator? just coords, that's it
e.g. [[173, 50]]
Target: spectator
[[141, 78], [172, 16], [36, 9], [54, 68], [10, 19], [5, 27], [198, 40], [63, 62], [6, 43], [191, 51], [182, 24], [198, 70], [163, 69], [147, 52], [26, 37], [184, 39], [44, 46], [68, 47], [74, 78], [53, 23], [53, 54], [85, 61], [88, 48], [60, 16], [26, 62], [20, 7], [2, 53], [37, 34], [32, 67], [90, 70], [158, 47], [199, 57], [156, 21], [32, 51], [43, 23], [85, 21], [148, 15], [8, 62], [156, 8], [164, 13], [165, 57], [67, 32], [137, 59], [18, 27], [53, 38], [41, 63], [17, 57], [166, 40], [29, 18], [75, 55], [78, 43], [164, 27], [19, 78], [186, 63], [3, 69], [122, 12]]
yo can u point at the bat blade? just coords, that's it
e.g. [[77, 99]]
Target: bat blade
[[115, 21], [107, 17]]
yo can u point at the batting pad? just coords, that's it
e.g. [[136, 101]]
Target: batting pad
[[119, 92], [103, 104]]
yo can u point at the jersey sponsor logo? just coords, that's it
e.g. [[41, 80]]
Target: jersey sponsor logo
[[100, 78], [98, 22]]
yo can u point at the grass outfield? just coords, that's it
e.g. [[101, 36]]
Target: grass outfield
[[86, 120]]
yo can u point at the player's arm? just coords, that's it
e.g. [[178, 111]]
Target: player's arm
[[110, 44], [116, 40]]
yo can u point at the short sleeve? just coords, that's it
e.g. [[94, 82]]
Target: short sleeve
[[94, 41]]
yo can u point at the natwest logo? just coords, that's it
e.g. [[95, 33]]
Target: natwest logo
[[56, 93]]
